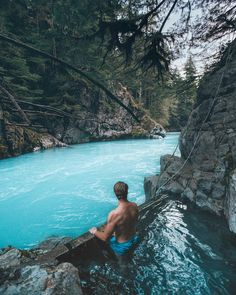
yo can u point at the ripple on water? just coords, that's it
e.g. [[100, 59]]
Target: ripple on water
[[176, 256]]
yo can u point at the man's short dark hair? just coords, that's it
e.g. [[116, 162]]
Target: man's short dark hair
[[121, 190]]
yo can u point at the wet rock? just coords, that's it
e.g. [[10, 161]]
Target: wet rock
[[23, 273], [205, 185], [52, 242], [64, 280], [173, 187], [73, 134], [49, 141], [41, 280], [150, 185], [157, 132], [218, 191], [12, 258], [188, 193], [171, 164], [220, 171], [202, 200], [15, 140]]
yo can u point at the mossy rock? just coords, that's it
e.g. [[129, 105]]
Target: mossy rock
[[3, 149]]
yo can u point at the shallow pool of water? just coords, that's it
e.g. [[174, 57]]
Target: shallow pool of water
[[65, 191], [183, 251]]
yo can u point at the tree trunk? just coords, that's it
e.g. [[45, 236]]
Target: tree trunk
[[14, 102]]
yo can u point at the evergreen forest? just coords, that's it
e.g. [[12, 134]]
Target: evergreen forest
[[114, 42]]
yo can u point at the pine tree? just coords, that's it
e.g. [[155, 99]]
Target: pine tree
[[186, 92]]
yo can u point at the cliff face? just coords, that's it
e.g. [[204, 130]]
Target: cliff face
[[98, 118], [209, 177]]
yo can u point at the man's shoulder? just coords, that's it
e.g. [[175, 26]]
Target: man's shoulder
[[112, 214], [133, 204]]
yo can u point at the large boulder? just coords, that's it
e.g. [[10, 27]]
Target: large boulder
[[20, 274]]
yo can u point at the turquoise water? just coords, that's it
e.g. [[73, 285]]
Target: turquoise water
[[65, 191], [183, 250]]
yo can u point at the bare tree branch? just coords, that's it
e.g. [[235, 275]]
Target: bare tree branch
[[168, 15]]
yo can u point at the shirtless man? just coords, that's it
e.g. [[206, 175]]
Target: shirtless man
[[120, 229]]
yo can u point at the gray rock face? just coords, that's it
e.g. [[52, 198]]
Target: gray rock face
[[150, 184], [97, 119], [157, 132], [12, 258], [52, 242], [231, 206], [208, 178], [21, 275], [15, 140]]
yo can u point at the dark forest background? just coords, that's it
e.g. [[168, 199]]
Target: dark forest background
[[115, 42]]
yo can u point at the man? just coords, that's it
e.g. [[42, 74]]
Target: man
[[120, 229]]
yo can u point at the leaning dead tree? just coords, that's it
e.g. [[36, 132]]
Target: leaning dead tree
[[15, 103], [39, 109], [51, 110], [69, 66]]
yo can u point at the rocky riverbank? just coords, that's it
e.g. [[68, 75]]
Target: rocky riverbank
[[209, 176], [22, 274], [98, 119]]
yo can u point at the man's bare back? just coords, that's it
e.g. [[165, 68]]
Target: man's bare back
[[120, 229], [125, 218]]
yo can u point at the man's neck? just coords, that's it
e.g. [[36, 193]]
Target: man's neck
[[122, 202]]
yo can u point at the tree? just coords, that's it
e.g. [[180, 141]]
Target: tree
[[117, 41], [129, 22], [186, 92]]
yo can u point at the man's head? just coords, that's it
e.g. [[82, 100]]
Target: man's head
[[121, 190]]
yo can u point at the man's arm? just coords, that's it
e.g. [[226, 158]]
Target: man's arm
[[108, 231]]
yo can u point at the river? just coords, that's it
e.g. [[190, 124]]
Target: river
[[65, 191]]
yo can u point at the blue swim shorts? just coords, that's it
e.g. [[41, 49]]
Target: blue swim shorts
[[122, 248]]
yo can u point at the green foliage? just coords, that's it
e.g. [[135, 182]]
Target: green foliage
[[82, 32], [171, 101], [186, 92], [16, 74]]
